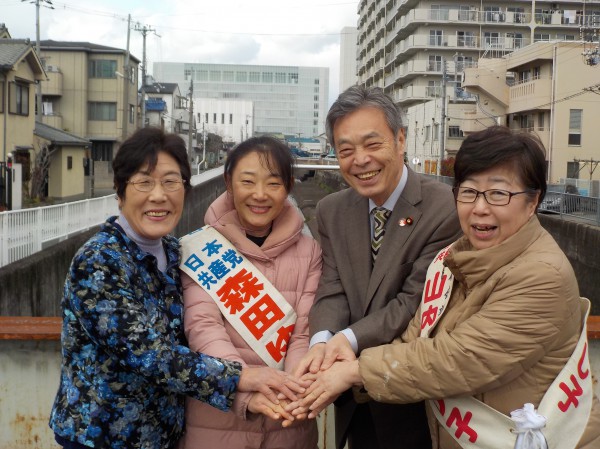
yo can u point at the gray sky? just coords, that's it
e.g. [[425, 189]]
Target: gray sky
[[277, 32]]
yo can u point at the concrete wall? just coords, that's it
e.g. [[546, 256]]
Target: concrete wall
[[33, 286]]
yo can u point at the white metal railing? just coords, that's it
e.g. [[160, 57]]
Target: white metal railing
[[24, 232]]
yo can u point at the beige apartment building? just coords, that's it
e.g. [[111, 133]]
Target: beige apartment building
[[555, 94], [91, 92]]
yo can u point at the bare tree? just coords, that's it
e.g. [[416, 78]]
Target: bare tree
[[39, 174]]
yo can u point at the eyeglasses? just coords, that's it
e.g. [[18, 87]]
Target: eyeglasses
[[147, 184], [494, 197]]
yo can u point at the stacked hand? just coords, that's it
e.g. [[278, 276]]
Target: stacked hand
[[326, 371]]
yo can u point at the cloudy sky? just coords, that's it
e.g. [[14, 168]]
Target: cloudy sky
[[277, 32]]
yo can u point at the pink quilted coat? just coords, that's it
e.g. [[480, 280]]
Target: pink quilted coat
[[292, 262]]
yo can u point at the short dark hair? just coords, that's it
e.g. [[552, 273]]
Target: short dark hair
[[142, 148], [270, 151], [356, 97], [498, 145]]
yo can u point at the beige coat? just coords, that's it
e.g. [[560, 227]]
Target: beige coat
[[512, 323]]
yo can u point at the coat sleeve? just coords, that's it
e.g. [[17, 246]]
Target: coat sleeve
[[383, 325], [205, 330], [513, 330], [298, 345], [102, 297]]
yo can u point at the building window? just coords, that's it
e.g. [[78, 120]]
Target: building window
[[102, 68], [427, 131], [18, 97], [222, 119], [573, 170], [131, 114], [228, 76], [267, 77], [454, 131], [69, 162], [435, 63], [241, 77], [231, 119], [102, 111], [541, 121], [466, 39], [206, 118], [436, 38], [254, 77], [537, 37], [214, 118], [575, 126], [102, 151], [317, 81], [293, 78], [279, 77], [202, 75]]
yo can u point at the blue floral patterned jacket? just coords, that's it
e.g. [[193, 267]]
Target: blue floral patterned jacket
[[125, 365]]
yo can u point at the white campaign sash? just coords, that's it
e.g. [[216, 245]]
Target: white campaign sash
[[566, 405], [245, 297]]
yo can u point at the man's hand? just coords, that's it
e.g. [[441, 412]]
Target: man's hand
[[312, 360], [327, 386], [268, 381], [259, 403], [338, 349]]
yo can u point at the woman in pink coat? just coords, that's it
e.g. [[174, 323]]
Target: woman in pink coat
[[256, 217]]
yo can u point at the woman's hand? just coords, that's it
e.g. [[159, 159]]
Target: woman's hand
[[269, 381], [327, 386], [259, 403]]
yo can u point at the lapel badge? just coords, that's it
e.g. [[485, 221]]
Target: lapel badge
[[405, 221]]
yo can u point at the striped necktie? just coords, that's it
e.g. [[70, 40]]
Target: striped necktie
[[380, 216]]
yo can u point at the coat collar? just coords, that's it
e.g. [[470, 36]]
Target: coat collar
[[471, 266], [287, 228]]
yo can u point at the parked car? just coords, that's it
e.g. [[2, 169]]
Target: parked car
[[561, 198]]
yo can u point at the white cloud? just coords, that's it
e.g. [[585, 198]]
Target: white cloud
[[277, 32]]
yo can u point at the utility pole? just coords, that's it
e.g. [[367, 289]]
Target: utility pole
[[443, 115], [126, 81], [144, 30], [38, 87], [191, 121]]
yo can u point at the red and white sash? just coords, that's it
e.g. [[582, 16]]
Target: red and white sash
[[566, 404], [245, 297]]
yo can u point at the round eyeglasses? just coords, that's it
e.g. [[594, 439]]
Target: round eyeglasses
[[494, 197], [148, 184]]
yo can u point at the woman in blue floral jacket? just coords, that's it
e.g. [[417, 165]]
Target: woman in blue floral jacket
[[126, 367]]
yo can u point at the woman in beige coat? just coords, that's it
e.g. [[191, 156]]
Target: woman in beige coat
[[512, 322]]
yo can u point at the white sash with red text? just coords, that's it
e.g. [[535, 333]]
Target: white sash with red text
[[566, 405], [245, 297]]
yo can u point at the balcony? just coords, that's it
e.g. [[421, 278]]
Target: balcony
[[54, 120], [54, 85], [528, 95]]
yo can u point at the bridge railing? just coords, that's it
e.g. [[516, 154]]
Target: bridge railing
[[25, 232]]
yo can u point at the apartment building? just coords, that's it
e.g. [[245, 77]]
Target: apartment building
[[286, 99], [417, 51], [555, 94], [91, 92]]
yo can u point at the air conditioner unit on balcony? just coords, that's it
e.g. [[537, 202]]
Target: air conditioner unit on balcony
[[51, 68]]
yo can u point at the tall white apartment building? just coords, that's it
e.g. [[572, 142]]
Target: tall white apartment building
[[286, 99], [403, 44], [417, 50], [348, 55]]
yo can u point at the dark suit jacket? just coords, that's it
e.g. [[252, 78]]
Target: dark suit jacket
[[377, 302]]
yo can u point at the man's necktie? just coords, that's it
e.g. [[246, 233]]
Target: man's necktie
[[380, 215]]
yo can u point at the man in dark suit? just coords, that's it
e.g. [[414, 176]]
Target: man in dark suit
[[374, 261]]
